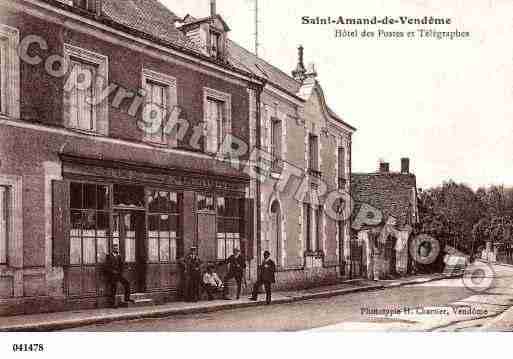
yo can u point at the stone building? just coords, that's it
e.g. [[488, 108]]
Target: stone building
[[308, 149], [121, 123], [384, 216], [77, 176]]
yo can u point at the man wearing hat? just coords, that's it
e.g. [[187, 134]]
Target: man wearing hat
[[236, 266], [115, 266], [266, 278], [193, 275]]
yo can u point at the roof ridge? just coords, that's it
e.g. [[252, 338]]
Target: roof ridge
[[261, 59]]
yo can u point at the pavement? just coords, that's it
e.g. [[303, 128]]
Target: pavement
[[74, 319]]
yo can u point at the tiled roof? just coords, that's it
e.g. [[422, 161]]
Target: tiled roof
[[247, 61], [147, 16], [391, 193]]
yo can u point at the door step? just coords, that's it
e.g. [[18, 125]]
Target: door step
[[139, 300]]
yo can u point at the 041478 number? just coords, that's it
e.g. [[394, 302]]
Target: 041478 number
[[28, 347]]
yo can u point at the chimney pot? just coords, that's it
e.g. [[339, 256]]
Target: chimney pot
[[384, 167], [405, 165]]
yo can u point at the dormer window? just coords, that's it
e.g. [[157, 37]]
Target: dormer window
[[89, 5], [215, 44]]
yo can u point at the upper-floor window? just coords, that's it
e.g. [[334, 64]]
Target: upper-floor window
[[318, 228], [276, 139], [313, 152], [341, 157], [215, 44], [89, 5], [217, 112], [9, 72], [5, 214], [161, 92], [82, 106]]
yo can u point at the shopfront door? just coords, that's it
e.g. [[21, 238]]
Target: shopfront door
[[129, 231]]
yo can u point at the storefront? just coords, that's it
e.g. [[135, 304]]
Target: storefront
[[153, 214]]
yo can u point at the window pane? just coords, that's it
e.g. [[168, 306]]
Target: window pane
[[153, 249], [173, 249], [76, 195], [164, 249], [128, 196], [175, 202], [89, 222], [153, 226], [101, 249], [75, 250], [4, 223], [89, 250], [90, 196], [103, 197], [221, 248], [205, 203], [76, 224], [159, 202]]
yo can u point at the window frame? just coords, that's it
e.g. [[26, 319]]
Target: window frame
[[313, 158], [101, 124], [179, 234], [14, 245], [170, 82], [10, 72], [239, 219], [226, 98]]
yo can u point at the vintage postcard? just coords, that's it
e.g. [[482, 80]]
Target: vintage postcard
[[254, 166]]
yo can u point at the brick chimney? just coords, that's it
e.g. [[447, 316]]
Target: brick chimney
[[384, 167], [213, 8], [405, 165]]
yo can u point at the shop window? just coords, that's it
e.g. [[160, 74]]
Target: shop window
[[205, 203], [5, 214], [164, 232], [128, 196], [89, 223], [229, 226]]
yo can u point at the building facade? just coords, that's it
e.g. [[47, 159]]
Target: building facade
[[121, 123], [110, 128], [384, 218], [308, 151]]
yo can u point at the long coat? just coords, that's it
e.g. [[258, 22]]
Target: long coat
[[267, 271]]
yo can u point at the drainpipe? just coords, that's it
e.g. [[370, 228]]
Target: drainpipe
[[258, 205]]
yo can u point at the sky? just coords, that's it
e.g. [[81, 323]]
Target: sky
[[447, 105]]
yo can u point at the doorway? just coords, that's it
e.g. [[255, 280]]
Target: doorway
[[128, 231], [275, 240]]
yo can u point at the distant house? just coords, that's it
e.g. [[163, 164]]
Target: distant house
[[385, 211]]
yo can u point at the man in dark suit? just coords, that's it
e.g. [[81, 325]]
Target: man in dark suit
[[114, 267], [236, 266], [193, 275], [266, 278]]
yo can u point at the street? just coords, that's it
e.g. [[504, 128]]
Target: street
[[457, 308]]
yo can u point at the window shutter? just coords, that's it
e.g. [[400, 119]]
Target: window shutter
[[249, 216], [61, 223]]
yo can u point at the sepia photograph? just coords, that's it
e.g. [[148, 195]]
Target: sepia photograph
[[254, 166]]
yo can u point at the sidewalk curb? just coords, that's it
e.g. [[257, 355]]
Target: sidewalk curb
[[154, 312]]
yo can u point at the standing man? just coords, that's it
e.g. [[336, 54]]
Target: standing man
[[193, 273], [115, 265], [266, 277], [236, 266]]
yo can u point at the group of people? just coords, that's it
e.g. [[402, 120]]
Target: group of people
[[194, 282]]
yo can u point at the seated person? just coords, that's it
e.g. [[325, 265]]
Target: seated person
[[211, 282]]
